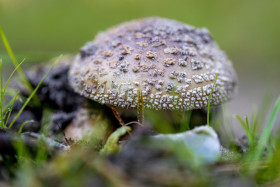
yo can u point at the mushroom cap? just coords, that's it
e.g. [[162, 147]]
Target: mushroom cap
[[157, 62]]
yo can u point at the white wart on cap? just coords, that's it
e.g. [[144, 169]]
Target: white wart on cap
[[161, 63]]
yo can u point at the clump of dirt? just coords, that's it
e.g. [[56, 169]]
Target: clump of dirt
[[55, 90], [55, 93]]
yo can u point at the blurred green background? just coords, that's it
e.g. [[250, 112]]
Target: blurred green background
[[248, 31]]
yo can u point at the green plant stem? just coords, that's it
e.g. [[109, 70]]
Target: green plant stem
[[208, 110]]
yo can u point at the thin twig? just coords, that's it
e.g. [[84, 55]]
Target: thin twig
[[116, 114]]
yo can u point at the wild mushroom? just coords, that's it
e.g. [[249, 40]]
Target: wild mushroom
[[154, 62]]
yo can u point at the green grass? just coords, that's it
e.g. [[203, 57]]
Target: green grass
[[258, 147], [5, 114], [246, 127], [5, 111], [261, 161], [16, 64], [268, 129], [33, 93]]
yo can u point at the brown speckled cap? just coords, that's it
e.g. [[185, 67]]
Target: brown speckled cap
[[161, 63]]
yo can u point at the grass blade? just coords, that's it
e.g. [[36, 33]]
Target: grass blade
[[11, 54], [1, 95], [12, 75], [33, 93], [267, 131], [23, 124], [208, 110], [261, 114], [185, 124], [10, 110], [245, 126], [5, 114], [11, 92], [6, 107], [15, 62]]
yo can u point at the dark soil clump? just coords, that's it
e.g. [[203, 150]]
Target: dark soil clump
[[54, 93]]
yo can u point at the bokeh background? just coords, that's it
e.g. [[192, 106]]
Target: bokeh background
[[248, 31]]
